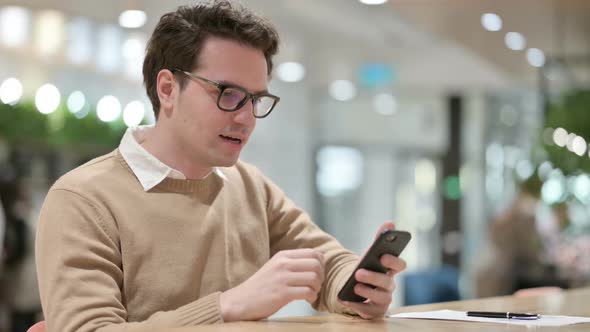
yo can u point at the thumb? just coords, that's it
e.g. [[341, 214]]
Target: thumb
[[388, 225]]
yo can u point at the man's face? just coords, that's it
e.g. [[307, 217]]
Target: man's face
[[207, 135]]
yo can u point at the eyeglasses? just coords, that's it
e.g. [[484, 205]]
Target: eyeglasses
[[233, 97]]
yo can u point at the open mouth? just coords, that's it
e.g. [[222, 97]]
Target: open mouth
[[231, 139]]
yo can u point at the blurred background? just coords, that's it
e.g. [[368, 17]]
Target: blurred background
[[467, 122]]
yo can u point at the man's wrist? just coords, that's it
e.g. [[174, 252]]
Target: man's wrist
[[230, 311]]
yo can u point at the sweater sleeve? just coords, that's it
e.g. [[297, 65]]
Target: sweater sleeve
[[291, 228], [80, 275]]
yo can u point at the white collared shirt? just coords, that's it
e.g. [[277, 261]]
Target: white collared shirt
[[148, 169]]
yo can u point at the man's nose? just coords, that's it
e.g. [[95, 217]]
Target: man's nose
[[246, 113]]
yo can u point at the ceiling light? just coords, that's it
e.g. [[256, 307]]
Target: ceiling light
[[132, 19], [535, 57], [290, 72], [515, 41], [373, 2], [342, 90], [491, 22]]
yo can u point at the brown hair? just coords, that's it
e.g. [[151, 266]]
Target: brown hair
[[179, 36]]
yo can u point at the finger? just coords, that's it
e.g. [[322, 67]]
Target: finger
[[305, 279], [302, 293], [374, 295], [393, 263], [376, 279], [306, 265], [366, 310], [388, 225]]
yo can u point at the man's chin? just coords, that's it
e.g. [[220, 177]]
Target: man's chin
[[228, 162]]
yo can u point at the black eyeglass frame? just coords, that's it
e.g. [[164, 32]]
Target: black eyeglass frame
[[223, 86]]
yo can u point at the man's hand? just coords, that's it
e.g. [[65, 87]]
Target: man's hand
[[289, 275], [376, 287]]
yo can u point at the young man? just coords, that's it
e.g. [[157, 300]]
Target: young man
[[170, 229]]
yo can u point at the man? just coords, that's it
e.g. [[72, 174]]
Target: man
[[170, 229]]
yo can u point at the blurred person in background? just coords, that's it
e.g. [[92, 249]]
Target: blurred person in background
[[517, 256], [19, 284], [171, 229], [2, 230], [568, 245]]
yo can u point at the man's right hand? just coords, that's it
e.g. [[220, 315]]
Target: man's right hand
[[289, 275]]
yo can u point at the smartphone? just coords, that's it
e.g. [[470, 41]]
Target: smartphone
[[389, 242]]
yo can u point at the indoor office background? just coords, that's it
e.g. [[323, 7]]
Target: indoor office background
[[438, 114]]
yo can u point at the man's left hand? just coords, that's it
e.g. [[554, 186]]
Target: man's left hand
[[376, 287]]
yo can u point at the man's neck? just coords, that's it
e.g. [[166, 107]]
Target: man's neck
[[163, 147]]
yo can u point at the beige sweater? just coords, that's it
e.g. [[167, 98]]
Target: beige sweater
[[112, 257]]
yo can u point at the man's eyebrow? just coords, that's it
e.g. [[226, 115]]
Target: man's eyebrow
[[224, 82]]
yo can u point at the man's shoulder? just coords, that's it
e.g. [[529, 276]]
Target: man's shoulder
[[97, 172]]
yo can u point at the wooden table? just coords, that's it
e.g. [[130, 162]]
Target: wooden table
[[573, 303]]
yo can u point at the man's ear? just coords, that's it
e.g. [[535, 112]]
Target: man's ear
[[167, 89]]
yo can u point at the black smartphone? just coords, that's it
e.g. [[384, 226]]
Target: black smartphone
[[389, 242]]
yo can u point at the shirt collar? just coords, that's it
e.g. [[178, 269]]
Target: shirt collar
[[148, 169]]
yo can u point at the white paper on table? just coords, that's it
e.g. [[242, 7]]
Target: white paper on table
[[545, 320]]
